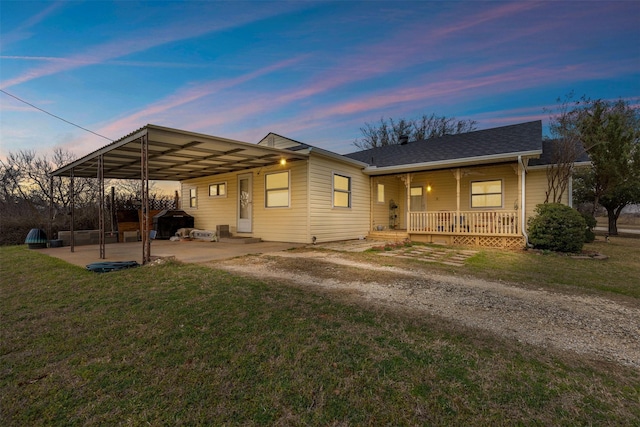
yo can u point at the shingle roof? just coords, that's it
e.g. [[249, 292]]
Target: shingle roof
[[507, 140], [546, 158]]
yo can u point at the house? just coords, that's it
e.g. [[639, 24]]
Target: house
[[477, 188]]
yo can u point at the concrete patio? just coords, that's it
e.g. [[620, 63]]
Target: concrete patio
[[186, 251]]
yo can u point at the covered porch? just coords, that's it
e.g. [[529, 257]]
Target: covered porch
[[477, 205]]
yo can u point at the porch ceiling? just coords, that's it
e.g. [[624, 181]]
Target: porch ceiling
[[176, 155]]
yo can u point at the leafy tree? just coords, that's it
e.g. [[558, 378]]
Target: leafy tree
[[610, 132], [389, 131]]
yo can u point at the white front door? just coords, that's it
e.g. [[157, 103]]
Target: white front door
[[245, 202]]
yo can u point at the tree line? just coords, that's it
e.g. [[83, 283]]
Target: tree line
[[26, 200]]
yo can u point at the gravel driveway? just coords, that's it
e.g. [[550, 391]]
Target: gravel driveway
[[590, 325]]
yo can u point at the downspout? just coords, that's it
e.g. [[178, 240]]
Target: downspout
[[570, 191], [523, 175]]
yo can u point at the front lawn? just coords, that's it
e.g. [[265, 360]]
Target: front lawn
[[178, 344]]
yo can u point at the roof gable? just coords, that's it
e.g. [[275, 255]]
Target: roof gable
[[278, 141]]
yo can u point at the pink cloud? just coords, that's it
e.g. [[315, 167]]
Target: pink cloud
[[186, 96]]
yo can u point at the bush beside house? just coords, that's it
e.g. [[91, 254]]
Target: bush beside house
[[557, 227]]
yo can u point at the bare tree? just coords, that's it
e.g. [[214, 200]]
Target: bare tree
[[388, 131], [565, 149]]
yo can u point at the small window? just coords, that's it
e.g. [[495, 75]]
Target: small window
[[277, 190], [380, 193], [218, 190], [193, 198], [341, 191], [486, 194]]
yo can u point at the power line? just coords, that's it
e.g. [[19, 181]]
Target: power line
[[53, 115]]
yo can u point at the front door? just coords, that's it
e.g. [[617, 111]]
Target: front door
[[245, 202]]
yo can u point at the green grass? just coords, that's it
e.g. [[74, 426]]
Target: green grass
[[619, 274], [185, 345]]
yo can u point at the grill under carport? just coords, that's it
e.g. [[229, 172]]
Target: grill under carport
[[167, 222]]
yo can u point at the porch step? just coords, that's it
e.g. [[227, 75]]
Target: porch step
[[388, 234], [240, 239]]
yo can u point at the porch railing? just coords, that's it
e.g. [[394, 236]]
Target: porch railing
[[502, 223]]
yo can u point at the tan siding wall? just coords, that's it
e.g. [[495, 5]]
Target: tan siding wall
[[535, 188], [270, 224], [507, 173], [278, 142], [212, 211], [393, 190], [282, 224], [443, 194], [329, 223]]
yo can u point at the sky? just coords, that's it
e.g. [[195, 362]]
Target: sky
[[312, 71]]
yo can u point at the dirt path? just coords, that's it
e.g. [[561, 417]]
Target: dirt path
[[595, 326]]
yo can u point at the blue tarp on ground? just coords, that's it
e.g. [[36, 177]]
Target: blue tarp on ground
[[105, 267]]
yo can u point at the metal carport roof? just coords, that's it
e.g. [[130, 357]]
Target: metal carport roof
[[175, 155]]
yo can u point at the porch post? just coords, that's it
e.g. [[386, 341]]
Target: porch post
[[522, 171], [144, 176], [458, 221], [72, 238], [50, 225], [407, 209]]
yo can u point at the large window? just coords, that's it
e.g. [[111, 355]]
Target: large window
[[486, 194], [341, 191], [218, 189], [193, 198], [417, 199], [277, 190]]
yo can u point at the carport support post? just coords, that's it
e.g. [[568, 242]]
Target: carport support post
[[50, 225], [144, 176], [72, 238], [101, 206]]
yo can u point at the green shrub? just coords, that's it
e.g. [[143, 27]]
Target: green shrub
[[558, 228]]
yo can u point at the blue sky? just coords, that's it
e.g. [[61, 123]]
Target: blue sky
[[312, 71]]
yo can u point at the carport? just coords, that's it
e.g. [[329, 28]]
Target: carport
[[156, 153]]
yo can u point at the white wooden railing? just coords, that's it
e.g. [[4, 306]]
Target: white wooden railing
[[501, 223]]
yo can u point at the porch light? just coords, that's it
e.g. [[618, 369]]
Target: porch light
[[428, 188], [283, 162]]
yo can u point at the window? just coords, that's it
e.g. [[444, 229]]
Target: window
[[341, 191], [193, 198], [486, 194], [417, 199], [380, 193], [277, 190], [218, 190]]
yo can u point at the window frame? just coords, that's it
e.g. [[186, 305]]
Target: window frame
[[472, 194], [348, 192], [422, 197], [218, 185], [193, 198], [267, 190], [378, 193]]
